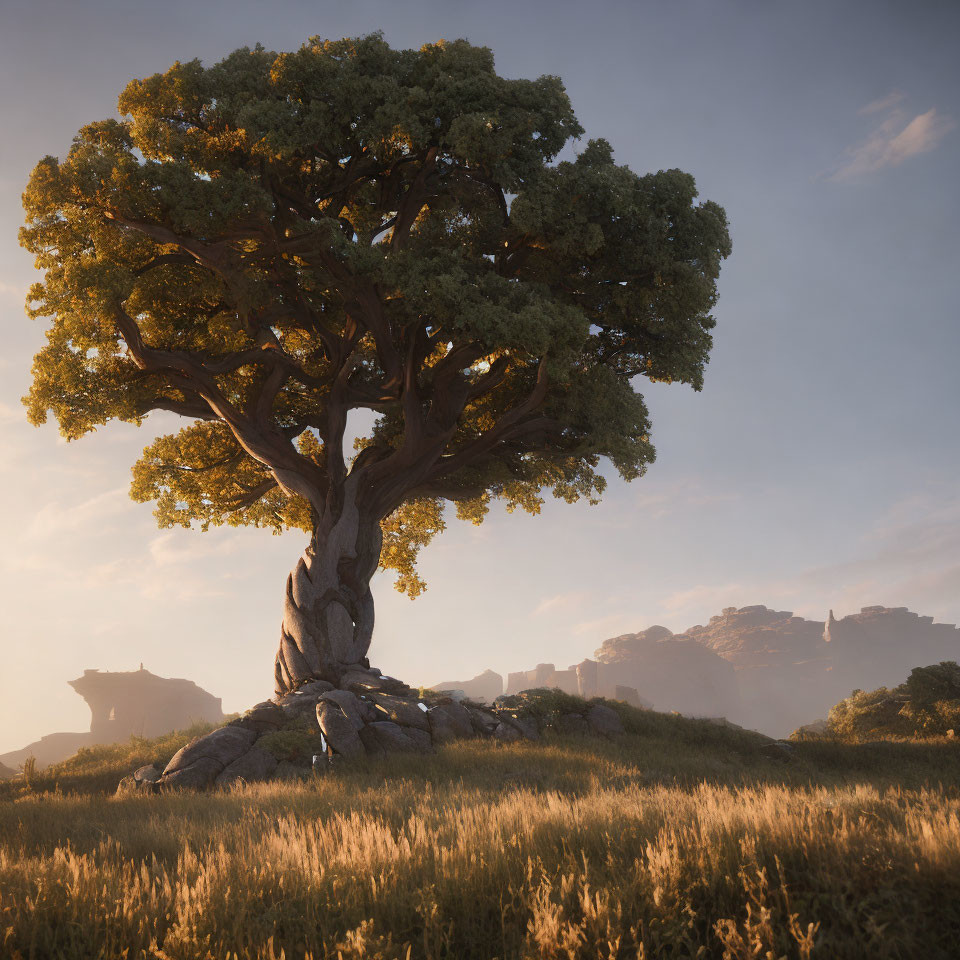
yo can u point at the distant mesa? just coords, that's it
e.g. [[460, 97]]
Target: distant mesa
[[140, 703], [791, 671], [485, 687], [764, 669], [123, 704]]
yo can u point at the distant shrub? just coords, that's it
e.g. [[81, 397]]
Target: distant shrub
[[543, 702], [926, 704], [934, 684], [864, 714]]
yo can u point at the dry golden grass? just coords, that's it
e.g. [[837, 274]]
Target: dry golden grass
[[679, 841]]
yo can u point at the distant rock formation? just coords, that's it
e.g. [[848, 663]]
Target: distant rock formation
[[52, 748], [6, 773], [879, 646], [135, 703], [586, 679], [651, 669], [764, 669], [544, 675], [791, 670], [141, 703], [484, 687], [673, 673]]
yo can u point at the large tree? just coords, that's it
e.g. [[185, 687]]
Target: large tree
[[267, 245]]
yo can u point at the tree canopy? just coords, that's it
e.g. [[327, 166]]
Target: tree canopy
[[268, 244]]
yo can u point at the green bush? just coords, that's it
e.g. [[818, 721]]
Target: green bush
[[870, 713], [543, 702], [926, 704], [929, 685]]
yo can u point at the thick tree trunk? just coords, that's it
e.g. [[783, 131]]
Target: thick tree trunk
[[328, 607]]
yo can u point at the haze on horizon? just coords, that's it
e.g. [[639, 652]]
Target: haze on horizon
[[816, 470]]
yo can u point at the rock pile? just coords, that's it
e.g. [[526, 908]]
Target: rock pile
[[367, 715]]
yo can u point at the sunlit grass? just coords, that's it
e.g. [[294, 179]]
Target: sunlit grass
[[683, 840]]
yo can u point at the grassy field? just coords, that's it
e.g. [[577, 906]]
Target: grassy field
[[682, 839]]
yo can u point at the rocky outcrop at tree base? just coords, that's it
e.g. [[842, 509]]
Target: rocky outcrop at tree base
[[370, 715]]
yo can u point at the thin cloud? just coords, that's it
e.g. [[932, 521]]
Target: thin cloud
[[560, 602], [896, 138], [884, 103], [13, 291], [612, 625], [9, 414], [100, 512], [177, 548], [683, 497], [912, 559], [686, 603]]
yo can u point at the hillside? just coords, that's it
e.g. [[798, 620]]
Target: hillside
[[680, 836]]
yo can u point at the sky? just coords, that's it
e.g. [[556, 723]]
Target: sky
[[817, 469]]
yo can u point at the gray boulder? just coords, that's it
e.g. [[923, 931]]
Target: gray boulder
[[195, 776], [130, 786], [526, 725], [483, 721], [256, 764], [406, 713], [313, 688], [421, 739], [127, 786], [507, 733], [151, 773], [339, 730], [372, 741], [348, 703], [295, 705], [372, 681], [389, 737], [460, 717], [604, 720], [201, 761], [572, 723], [442, 729], [262, 718]]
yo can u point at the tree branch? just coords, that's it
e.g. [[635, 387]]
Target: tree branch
[[411, 203], [509, 426], [294, 472], [160, 260], [250, 496]]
